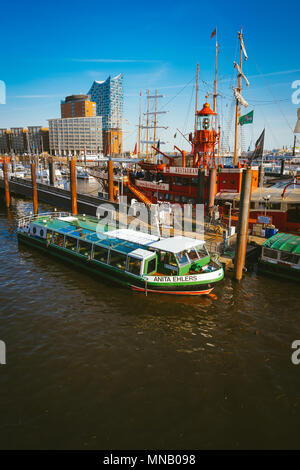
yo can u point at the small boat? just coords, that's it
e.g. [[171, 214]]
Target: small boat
[[281, 256], [82, 173], [134, 259]]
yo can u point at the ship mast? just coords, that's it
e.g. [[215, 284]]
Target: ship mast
[[237, 92], [196, 104], [152, 124], [140, 123], [147, 138], [216, 78]]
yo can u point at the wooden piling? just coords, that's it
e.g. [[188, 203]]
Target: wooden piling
[[6, 185], [212, 190], [73, 186], [34, 189], [111, 180], [243, 223], [52, 172]]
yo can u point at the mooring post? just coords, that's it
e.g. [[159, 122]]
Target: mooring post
[[111, 180], [212, 190], [34, 189], [242, 232], [52, 172], [73, 185], [6, 184]]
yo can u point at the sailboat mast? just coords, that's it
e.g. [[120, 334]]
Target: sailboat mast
[[237, 104], [196, 104], [140, 123], [216, 78], [147, 124]]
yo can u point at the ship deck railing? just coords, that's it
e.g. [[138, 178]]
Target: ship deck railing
[[31, 217]]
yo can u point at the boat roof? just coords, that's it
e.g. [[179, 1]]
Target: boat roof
[[134, 236], [284, 242], [125, 240], [176, 244]]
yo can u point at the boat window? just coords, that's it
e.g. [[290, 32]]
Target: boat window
[[289, 257], [134, 266], [151, 266], [269, 253], [275, 205], [193, 254], [118, 260], [41, 232], [202, 251], [100, 253], [84, 248], [182, 257], [177, 198], [178, 181], [58, 239], [293, 213], [34, 230], [71, 243], [170, 259]]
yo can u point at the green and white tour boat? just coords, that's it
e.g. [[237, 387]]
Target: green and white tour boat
[[140, 261], [281, 256]]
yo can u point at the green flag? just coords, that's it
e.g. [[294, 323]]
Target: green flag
[[246, 119]]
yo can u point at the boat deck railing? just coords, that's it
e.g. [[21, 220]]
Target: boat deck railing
[[31, 217]]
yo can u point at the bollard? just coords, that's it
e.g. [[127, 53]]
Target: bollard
[[242, 232], [6, 184], [34, 189], [73, 186]]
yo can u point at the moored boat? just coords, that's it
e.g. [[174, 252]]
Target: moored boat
[[140, 261], [281, 256]]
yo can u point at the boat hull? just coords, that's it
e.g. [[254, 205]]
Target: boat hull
[[279, 270], [125, 279]]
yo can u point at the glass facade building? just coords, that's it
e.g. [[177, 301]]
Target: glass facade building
[[76, 136], [108, 96]]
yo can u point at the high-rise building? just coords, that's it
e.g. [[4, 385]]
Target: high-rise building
[[76, 136], [108, 96], [77, 106]]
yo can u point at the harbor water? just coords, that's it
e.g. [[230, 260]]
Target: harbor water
[[90, 365]]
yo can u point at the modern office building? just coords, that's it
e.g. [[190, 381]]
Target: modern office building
[[78, 106], [19, 140], [5, 141], [37, 139], [108, 96], [76, 136]]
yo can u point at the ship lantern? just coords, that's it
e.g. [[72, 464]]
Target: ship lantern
[[206, 119]]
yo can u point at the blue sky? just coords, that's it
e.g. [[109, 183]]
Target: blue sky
[[51, 50]]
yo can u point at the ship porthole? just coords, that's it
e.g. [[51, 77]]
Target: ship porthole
[[42, 233], [34, 230]]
